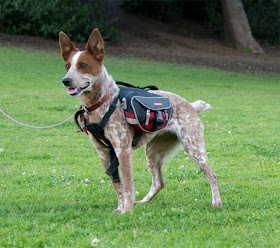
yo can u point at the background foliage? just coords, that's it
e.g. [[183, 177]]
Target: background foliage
[[263, 16], [46, 18], [77, 17]]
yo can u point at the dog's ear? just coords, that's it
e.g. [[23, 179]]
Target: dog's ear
[[95, 45], [66, 46]]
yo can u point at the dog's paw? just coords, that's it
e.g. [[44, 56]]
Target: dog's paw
[[217, 204], [118, 210], [125, 211], [127, 208]]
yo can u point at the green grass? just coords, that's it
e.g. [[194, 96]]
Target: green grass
[[45, 201]]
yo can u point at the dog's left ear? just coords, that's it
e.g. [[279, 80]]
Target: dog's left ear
[[95, 45]]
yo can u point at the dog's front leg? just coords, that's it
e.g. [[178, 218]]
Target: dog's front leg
[[126, 166], [104, 155], [119, 189]]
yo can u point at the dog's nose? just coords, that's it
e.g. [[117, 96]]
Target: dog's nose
[[67, 81]]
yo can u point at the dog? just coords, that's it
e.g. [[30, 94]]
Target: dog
[[87, 78]]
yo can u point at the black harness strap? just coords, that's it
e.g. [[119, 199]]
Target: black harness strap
[[150, 87], [113, 169], [108, 114], [97, 130], [136, 138], [114, 162]]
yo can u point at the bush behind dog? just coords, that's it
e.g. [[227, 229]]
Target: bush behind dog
[[46, 18]]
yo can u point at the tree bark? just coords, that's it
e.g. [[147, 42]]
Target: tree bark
[[237, 29]]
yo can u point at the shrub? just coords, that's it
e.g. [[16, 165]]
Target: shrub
[[264, 19], [47, 18], [215, 15]]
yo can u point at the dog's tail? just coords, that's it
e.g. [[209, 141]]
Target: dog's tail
[[200, 106]]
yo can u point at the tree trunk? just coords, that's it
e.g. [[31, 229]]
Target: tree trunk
[[237, 29]]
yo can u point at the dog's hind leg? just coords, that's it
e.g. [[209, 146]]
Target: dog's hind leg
[[156, 151], [192, 140]]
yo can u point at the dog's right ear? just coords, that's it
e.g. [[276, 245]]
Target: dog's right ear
[[66, 46]]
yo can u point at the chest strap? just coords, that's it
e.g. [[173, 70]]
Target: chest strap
[[84, 109], [97, 130]]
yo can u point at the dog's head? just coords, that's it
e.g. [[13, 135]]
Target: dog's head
[[83, 67]]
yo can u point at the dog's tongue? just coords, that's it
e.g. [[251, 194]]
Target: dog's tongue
[[72, 91]]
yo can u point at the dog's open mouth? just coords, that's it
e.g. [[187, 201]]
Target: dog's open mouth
[[78, 90]]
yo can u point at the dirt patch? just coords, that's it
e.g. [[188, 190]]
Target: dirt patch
[[186, 42]]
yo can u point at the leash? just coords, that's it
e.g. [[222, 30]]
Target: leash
[[34, 126]]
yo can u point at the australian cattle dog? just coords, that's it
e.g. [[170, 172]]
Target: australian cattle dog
[[87, 78]]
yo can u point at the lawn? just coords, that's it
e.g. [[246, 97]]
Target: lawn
[[53, 189]]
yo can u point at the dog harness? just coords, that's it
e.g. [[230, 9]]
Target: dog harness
[[144, 111]]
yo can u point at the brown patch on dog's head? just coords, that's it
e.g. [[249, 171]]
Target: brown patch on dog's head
[[90, 61], [87, 63]]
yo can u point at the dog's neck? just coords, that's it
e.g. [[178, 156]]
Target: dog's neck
[[103, 85]]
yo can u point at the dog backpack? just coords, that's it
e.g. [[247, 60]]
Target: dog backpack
[[144, 111]]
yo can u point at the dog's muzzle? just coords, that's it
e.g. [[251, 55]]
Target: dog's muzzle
[[74, 91]]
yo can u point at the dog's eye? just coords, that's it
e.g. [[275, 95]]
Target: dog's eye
[[67, 66], [83, 65]]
